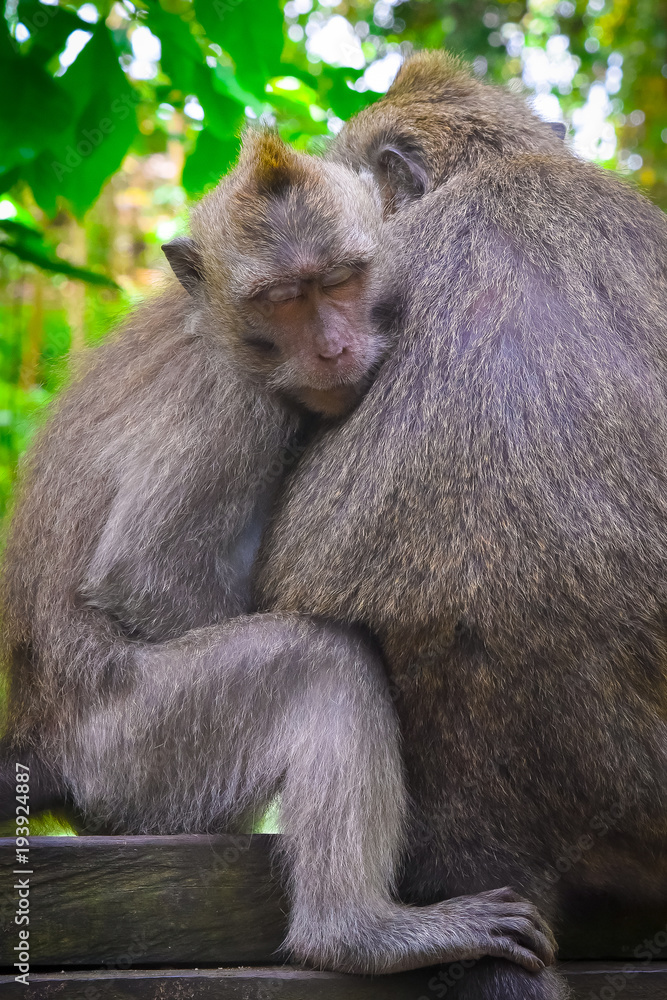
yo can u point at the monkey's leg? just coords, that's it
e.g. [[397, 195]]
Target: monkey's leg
[[216, 721], [342, 811], [490, 979]]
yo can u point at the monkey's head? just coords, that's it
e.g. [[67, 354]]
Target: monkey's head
[[280, 263], [436, 118]]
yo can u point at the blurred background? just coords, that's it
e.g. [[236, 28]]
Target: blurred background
[[115, 115]]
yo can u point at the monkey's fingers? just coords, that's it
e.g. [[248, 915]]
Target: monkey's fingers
[[521, 907], [503, 916], [509, 949], [504, 895], [527, 935], [526, 911]]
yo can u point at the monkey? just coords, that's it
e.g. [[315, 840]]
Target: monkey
[[494, 510], [137, 664]]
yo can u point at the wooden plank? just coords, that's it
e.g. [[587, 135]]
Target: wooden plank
[[590, 981], [617, 980], [121, 901]]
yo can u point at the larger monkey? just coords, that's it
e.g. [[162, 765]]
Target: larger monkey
[[130, 555], [495, 510]]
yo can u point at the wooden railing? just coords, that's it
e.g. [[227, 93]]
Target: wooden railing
[[201, 918]]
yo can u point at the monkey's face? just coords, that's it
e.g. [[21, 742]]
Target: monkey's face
[[281, 260], [304, 251], [310, 335]]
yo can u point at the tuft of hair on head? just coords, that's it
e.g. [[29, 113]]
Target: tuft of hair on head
[[426, 73], [271, 163]]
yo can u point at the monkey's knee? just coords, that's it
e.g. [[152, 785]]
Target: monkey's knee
[[495, 979]]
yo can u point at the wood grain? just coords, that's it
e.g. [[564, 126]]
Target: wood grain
[[600, 981], [121, 901], [117, 903]]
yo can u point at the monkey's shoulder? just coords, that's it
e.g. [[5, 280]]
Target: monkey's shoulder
[[164, 367], [558, 206]]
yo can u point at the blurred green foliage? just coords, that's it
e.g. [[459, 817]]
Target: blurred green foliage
[[64, 133], [93, 89]]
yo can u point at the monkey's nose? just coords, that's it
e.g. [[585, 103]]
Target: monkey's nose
[[333, 353]]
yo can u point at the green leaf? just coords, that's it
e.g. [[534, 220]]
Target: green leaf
[[251, 31], [344, 101], [181, 54], [77, 163], [211, 159], [182, 60], [292, 89], [223, 115], [225, 82], [9, 178], [29, 245], [49, 28], [290, 69], [35, 110]]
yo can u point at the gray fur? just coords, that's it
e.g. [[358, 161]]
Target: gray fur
[[495, 509], [135, 669]]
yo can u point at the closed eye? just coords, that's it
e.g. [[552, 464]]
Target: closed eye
[[260, 344], [283, 293], [336, 276]]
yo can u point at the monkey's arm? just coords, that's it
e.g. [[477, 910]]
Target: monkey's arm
[[195, 474]]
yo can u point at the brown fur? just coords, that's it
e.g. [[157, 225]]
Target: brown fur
[[495, 510]]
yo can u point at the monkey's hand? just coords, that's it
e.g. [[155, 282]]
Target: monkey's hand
[[499, 923], [399, 938]]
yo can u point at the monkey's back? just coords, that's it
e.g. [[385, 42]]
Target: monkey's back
[[130, 503], [495, 510], [514, 441]]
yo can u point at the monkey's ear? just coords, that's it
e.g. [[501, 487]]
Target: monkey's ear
[[560, 128], [183, 255], [401, 176]]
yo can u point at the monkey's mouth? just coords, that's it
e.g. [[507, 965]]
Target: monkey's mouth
[[350, 371], [334, 402], [336, 393]]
